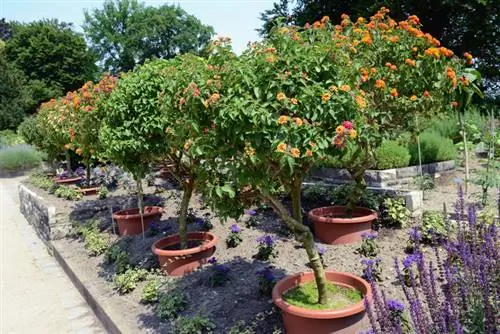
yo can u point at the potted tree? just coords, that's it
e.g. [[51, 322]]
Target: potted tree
[[273, 122], [85, 130], [397, 75], [132, 135], [190, 93], [54, 120]]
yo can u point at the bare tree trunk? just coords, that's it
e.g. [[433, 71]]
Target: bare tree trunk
[[68, 161], [140, 203], [188, 191], [466, 151]]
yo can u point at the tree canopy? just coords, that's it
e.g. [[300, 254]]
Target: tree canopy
[[125, 33], [51, 52], [461, 25]]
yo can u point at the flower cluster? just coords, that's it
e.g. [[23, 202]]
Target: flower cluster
[[220, 273], [234, 238], [267, 248], [344, 132], [267, 281]]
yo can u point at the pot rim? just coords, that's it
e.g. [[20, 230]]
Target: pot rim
[[319, 314], [121, 216], [175, 239], [367, 215], [83, 189], [69, 179]]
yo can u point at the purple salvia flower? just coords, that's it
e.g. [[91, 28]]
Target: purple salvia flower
[[414, 234], [320, 249], [369, 312], [212, 260], [395, 305], [235, 228]]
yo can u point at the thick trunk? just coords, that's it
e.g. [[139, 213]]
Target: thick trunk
[[87, 181], [358, 190], [302, 234], [188, 191], [68, 162], [140, 203]]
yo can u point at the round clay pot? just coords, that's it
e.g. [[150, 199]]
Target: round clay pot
[[89, 191], [69, 180], [298, 320], [129, 221], [336, 231], [184, 261]]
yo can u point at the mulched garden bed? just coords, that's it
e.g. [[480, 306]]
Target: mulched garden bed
[[239, 300]]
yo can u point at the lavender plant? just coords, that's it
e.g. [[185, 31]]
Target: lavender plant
[[458, 292], [267, 248], [234, 237]]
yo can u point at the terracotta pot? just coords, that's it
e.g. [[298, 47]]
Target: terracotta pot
[[69, 180], [337, 231], [89, 191], [184, 261], [298, 320], [129, 221]]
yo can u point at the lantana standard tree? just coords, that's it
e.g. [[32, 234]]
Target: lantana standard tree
[[305, 93], [87, 107], [133, 129]]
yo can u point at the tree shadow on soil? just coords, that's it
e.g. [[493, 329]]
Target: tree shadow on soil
[[237, 303]]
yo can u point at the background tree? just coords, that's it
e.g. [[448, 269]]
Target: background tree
[[52, 56], [461, 25], [125, 33], [15, 98], [5, 30]]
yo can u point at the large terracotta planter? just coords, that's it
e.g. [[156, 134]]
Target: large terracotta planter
[[69, 180], [298, 320], [184, 261], [129, 221], [332, 228]]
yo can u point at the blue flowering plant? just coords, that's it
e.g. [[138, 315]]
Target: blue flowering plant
[[414, 238], [204, 224], [252, 220], [220, 273], [267, 248], [321, 252], [457, 289], [372, 269], [267, 281], [158, 228], [369, 247], [234, 238]]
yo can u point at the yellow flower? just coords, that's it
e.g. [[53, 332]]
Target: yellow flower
[[413, 98], [345, 88], [394, 92], [295, 152], [353, 134], [249, 151], [298, 121], [215, 97], [294, 101], [333, 89], [281, 147], [325, 97], [283, 119], [281, 96], [340, 129]]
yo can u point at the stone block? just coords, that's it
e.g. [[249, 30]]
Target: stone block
[[407, 172], [413, 200]]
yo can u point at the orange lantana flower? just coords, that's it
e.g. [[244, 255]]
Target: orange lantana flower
[[282, 119], [298, 121], [410, 62], [309, 153], [394, 92], [345, 88], [413, 98], [295, 152], [282, 147], [325, 97], [294, 101], [280, 96], [380, 84]]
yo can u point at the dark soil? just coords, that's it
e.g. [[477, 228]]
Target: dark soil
[[238, 301]]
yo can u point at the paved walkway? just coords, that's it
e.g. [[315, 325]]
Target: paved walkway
[[36, 295]]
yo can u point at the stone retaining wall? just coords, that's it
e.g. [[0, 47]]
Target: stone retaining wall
[[47, 223], [384, 178]]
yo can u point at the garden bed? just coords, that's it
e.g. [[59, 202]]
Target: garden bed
[[238, 301]]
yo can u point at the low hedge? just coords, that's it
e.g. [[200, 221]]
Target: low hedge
[[434, 148], [392, 155], [19, 157]]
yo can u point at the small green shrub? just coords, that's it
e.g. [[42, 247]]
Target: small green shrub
[[10, 138], [169, 306], [128, 280], [425, 182], [194, 325], [42, 182], [103, 192], [447, 127], [29, 131], [433, 227], [392, 155], [241, 328], [119, 257], [19, 157], [395, 213], [340, 196], [150, 292], [96, 243], [67, 193], [434, 148]]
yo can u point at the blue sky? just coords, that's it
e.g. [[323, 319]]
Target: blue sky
[[237, 19]]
